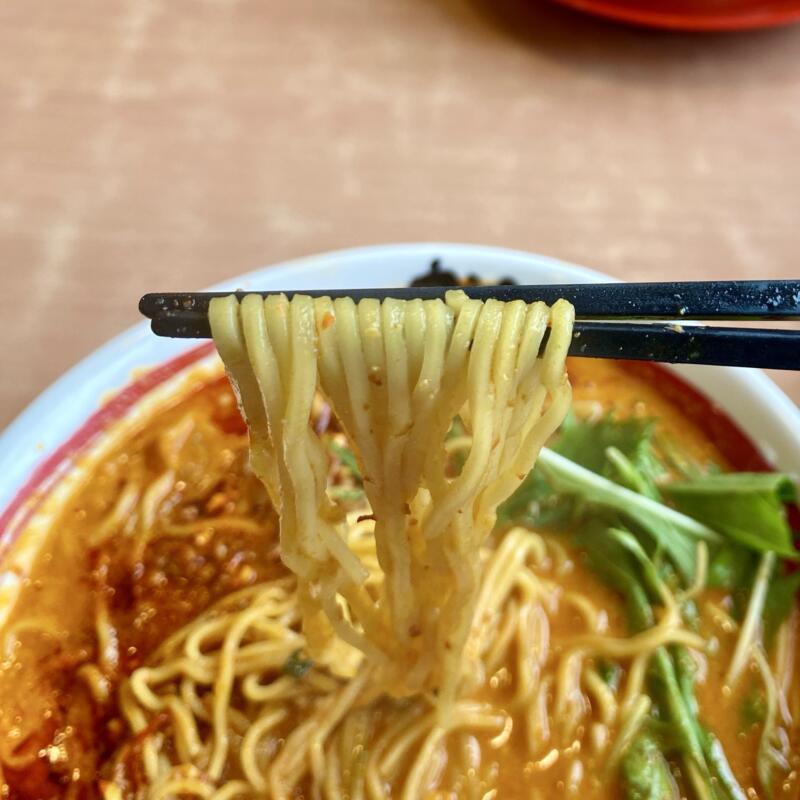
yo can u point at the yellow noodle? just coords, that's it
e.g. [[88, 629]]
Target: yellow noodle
[[396, 392], [38, 626], [629, 730], [413, 617], [571, 705], [786, 652], [119, 516], [634, 684], [603, 696], [701, 573]]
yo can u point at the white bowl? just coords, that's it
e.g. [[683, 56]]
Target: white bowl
[[42, 443]]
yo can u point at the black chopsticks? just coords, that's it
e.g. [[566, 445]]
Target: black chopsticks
[[184, 315]]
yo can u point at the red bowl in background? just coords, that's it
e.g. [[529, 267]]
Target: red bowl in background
[[694, 15]]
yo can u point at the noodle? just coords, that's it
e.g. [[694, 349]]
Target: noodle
[[399, 585], [413, 648], [396, 375]]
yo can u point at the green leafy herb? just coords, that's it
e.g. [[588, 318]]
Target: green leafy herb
[[704, 759], [751, 622], [672, 531], [610, 469], [746, 506], [778, 604], [346, 494], [601, 447], [678, 462], [650, 576], [645, 772], [771, 747], [567, 476], [686, 673], [457, 457], [723, 779], [691, 614], [754, 708], [629, 476], [610, 673], [347, 457], [667, 691], [607, 470], [731, 567], [586, 443], [457, 461], [602, 482], [621, 561], [456, 429], [618, 568], [536, 503], [297, 665]]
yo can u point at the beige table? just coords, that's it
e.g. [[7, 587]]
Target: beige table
[[165, 144]]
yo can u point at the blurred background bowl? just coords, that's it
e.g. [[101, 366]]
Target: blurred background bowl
[[694, 15]]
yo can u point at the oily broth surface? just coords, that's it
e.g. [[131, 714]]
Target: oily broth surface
[[43, 701], [52, 633], [607, 385]]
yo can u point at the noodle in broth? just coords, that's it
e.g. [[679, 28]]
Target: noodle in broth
[[213, 671]]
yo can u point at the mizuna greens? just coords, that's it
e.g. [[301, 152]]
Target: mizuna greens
[[646, 531]]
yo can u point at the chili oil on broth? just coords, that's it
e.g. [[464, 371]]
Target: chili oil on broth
[[172, 521], [169, 521]]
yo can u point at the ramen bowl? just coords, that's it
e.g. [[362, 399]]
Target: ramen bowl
[[136, 495]]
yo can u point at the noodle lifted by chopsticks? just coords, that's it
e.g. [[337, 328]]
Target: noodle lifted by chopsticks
[[397, 374]]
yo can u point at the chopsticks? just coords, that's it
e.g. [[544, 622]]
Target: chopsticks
[[185, 315]]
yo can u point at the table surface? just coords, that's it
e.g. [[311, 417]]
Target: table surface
[[165, 144]]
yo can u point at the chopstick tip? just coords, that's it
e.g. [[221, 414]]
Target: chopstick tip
[[150, 304]]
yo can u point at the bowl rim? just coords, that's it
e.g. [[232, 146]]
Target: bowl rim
[[47, 432]]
